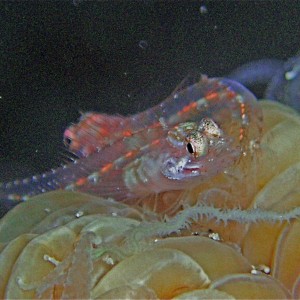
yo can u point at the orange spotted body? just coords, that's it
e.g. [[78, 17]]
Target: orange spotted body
[[196, 133]]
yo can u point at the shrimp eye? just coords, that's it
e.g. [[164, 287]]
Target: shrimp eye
[[190, 148], [210, 128], [197, 144]]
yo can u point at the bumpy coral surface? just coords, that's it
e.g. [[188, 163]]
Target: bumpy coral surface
[[234, 237]]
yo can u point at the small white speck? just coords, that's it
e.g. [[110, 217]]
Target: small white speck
[[79, 214], [143, 44], [20, 281], [51, 259], [256, 272], [108, 260], [214, 236], [290, 75], [260, 269], [70, 187], [203, 9], [35, 178], [267, 270], [25, 198]]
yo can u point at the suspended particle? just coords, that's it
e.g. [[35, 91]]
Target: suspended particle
[[143, 44], [203, 9]]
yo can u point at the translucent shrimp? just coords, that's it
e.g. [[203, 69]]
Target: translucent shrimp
[[193, 135]]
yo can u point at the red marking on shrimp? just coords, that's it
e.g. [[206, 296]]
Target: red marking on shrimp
[[127, 133], [155, 142], [188, 108], [81, 181], [106, 167], [231, 94], [129, 154], [212, 96]]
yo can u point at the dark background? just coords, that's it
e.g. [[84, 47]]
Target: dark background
[[60, 57]]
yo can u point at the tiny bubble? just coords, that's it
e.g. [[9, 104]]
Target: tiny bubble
[[143, 44], [203, 9]]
